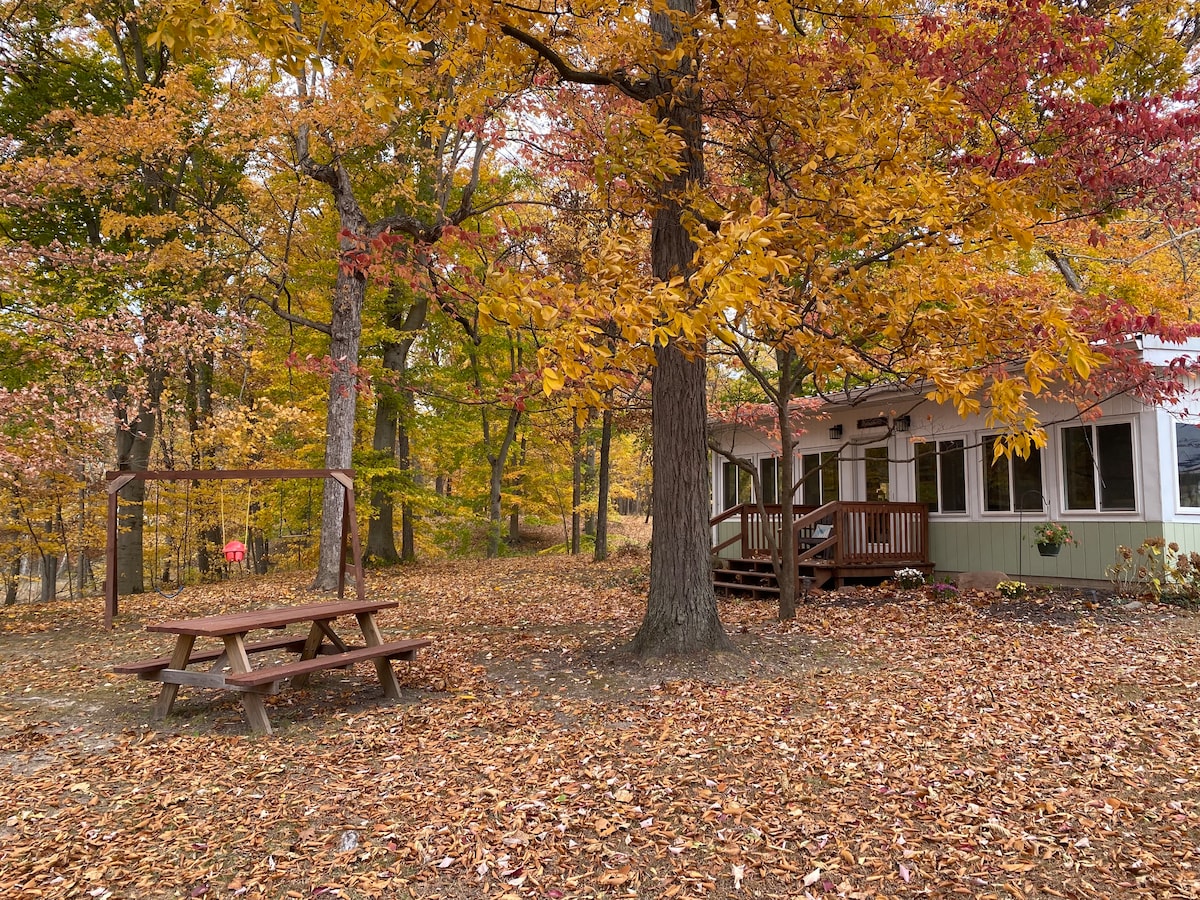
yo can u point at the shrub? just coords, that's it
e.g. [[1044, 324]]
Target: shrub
[[944, 590], [1157, 568], [910, 579], [1011, 590]]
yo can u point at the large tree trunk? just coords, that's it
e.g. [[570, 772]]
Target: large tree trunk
[[49, 577], [602, 488], [681, 610], [345, 331], [135, 438]]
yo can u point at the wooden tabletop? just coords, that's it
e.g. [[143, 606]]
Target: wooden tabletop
[[275, 617]]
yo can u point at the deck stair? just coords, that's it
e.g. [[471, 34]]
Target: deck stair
[[837, 543]]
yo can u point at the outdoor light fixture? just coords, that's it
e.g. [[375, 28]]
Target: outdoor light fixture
[[835, 432], [901, 423]]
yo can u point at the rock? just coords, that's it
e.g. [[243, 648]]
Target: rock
[[1133, 605], [348, 841], [978, 581]]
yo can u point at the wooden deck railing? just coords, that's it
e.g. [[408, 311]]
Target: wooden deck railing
[[862, 533]]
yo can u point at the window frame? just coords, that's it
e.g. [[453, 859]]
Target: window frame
[[1179, 504], [940, 456], [821, 473], [986, 442], [1092, 442]]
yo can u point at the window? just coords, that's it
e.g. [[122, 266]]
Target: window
[[942, 476], [820, 482], [1011, 482], [736, 485], [768, 472], [1098, 467], [1187, 465]]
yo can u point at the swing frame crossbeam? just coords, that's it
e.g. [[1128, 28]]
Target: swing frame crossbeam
[[351, 544]]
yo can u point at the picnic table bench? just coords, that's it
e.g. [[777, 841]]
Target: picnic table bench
[[230, 669]]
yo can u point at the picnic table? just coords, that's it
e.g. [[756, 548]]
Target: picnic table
[[229, 668]]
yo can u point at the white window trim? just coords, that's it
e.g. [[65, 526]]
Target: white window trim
[[1060, 480], [1013, 514], [1176, 503], [956, 515]]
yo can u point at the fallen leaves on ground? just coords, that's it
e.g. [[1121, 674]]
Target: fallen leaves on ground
[[879, 746]]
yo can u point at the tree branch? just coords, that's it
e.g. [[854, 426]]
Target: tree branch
[[638, 90]]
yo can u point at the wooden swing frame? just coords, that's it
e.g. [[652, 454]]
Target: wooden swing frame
[[351, 544]]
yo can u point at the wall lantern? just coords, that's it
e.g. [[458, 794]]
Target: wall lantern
[[235, 551], [901, 423], [835, 432]]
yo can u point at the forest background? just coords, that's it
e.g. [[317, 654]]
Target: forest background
[[498, 257]]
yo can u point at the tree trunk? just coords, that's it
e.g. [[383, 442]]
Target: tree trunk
[[588, 482], [576, 487], [49, 577], [601, 551], [135, 438], [681, 610], [408, 537], [514, 515], [12, 578], [381, 528], [497, 462], [345, 331], [786, 574]]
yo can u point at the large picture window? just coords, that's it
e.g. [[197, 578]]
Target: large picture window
[[942, 476], [1187, 463], [820, 482], [1011, 483], [1098, 467]]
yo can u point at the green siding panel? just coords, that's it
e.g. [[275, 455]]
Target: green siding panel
[[1008, 546]]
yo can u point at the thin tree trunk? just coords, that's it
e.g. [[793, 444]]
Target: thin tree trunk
[[576, 486], [408, 537], [601, 551], [497, 462], [514, 515]]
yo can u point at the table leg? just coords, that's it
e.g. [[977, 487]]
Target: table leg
[[315, 635], [179, 660], [383, 666], [252, 702]]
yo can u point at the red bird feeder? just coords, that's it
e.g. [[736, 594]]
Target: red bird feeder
[[235, 551]]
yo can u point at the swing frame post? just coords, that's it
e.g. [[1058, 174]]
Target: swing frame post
[[351, 543]]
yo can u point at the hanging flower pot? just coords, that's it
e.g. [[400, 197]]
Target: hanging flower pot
[[235, 551], [1049, 549]]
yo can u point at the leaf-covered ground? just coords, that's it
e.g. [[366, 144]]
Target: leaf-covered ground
[[880, 746]]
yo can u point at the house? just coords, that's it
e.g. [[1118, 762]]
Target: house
[[1130, 473]]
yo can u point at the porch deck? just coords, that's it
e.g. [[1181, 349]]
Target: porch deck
[[837, 542]]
